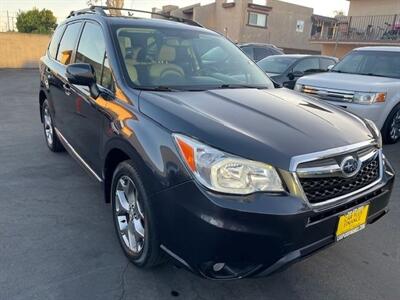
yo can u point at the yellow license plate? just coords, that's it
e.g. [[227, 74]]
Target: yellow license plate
[[352, 222]]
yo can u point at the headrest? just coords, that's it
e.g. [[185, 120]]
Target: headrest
[[172, 42], [167, 53]]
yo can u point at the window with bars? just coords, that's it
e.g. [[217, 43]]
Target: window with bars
[[257, 19]]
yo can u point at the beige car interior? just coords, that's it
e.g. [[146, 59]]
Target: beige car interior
[[158, 68]]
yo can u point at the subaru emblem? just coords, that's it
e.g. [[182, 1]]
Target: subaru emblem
[[350, 166]]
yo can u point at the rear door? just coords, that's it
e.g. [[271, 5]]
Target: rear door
[[59, 87], [86, 122]]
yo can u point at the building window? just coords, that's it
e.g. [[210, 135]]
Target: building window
[[256, 19]]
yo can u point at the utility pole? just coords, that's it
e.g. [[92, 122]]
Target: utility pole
[[8, 22]]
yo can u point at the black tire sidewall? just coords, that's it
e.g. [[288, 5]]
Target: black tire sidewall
[[387, 126], [127, 168]]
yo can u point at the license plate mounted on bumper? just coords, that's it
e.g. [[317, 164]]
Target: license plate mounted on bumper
[[352, 222]]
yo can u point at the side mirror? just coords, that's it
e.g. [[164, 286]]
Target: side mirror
[[295, 74], [83, 74], [330, 67]]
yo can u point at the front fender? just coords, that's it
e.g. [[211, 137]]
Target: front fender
[[152, 148]]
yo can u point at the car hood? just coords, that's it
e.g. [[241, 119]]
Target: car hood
[[350, 82], [265, 125]]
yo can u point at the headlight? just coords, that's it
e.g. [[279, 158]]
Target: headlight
[[375, 131], [298, 87], [226, 173], [369, 98]]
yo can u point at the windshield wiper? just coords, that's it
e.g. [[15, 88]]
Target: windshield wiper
[[159, 88], [339, 71], [239, 86]]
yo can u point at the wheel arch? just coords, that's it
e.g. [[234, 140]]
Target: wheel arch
[[118, 151], [42, 98]]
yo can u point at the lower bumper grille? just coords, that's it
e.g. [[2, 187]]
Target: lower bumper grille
[[322, 189]]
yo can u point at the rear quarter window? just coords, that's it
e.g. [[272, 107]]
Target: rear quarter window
[[55, 41]]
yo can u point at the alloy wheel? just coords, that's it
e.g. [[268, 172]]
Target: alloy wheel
[[129, 215], [48, 126]]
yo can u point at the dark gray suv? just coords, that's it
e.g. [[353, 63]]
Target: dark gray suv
[[204, 161]]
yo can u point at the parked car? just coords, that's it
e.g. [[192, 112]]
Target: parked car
[[365, 82], [286, 69], [203, 160], [258, 51]]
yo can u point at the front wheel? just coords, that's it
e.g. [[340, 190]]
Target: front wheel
[[391, 128], [133, 219]]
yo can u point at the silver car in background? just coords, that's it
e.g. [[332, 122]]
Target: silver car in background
[[365, 82]]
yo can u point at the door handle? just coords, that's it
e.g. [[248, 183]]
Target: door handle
[[67, 89]]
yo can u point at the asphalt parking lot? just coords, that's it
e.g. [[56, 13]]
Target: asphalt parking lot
[[57, 239]]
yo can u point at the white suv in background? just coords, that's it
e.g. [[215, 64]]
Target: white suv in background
[[366, 82]]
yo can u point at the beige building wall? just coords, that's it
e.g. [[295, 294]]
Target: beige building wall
[[22, 50], [338, 51], [374, 7], [231, 21], [282, 22]]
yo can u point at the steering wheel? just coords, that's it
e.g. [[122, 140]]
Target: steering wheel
[[171, 74]]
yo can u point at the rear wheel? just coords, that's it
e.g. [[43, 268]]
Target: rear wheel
[[133, 217], [391, 128], [51, 137]]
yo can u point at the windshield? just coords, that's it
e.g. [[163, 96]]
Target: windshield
[[373, 63], [163, 58], [276, 64]]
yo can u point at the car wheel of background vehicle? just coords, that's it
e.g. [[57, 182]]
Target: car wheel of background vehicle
[[133, 217], [391, 128], [51, 137]]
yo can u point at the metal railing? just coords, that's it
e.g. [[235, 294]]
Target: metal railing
[[384, 28]]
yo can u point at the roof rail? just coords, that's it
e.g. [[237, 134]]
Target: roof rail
[[90, 10], [100, 10]]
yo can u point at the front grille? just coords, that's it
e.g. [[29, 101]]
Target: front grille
[[328, 94], [322, 189]]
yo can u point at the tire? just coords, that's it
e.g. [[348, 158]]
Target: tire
[[391, 128], [132, 216], [50, 135]]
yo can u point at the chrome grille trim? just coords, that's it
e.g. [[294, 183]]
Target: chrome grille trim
[[295, 161], [331, 170], [328, 94]]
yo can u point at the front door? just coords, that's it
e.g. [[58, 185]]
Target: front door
[[87, 118]]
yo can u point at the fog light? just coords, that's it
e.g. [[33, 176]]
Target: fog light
[[218, 267]]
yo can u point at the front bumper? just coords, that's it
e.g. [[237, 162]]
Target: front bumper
[[227, 237]]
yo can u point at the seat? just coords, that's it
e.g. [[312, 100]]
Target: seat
[[165, 71], [125, 44]]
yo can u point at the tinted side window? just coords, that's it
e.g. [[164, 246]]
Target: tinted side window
[[325, 63], [55, 41], [307, 65], [260, 53], [248, 51], [67, 43], [92, 49]]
